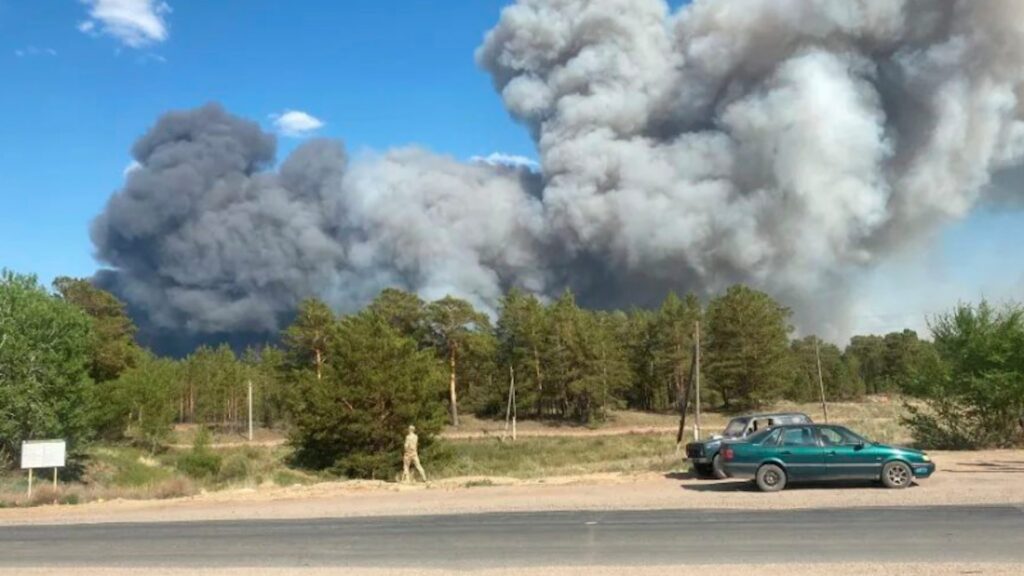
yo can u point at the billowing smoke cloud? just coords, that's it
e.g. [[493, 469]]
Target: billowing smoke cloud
[[785, 143], [204, 239]]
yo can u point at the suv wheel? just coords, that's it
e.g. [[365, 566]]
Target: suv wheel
[[771, 478]]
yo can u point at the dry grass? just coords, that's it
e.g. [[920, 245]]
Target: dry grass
[[628, 442], [539, 457], [876, 417]]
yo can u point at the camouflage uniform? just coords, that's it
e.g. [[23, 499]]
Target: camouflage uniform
[[411, 456]]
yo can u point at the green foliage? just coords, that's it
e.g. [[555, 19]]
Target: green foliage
[[113, 333], [521, 331], [310, 337], [587, 370], [891, 363], [405, 312], [975, 396], [201, 462], [214, 386], [45, 354], [265, 367], [661, 351], [452, 325], [142, 403], [747, 347], [354, 418], [838, 373]]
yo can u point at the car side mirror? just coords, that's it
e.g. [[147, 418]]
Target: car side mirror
[[859, 446]]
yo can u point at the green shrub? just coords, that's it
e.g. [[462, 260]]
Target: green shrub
[[235, 467], [200, 462]]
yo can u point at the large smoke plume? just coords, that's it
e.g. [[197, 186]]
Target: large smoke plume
[[790, 144]]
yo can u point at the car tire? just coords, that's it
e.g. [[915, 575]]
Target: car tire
[[716, 468], [703, 470], [897, 475], [770, 478]]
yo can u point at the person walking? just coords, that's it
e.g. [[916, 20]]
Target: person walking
[[411, 457]]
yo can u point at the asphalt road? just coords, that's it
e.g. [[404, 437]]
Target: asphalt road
[[626, 538]]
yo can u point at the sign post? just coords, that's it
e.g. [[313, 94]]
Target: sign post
[[42, 454]]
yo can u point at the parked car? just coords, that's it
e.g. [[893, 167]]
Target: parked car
[[705, 455], [820, 452]]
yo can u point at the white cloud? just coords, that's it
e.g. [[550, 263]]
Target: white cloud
[[510, 160], [131, 167], [33, 51], [135, 23], [296, 123]]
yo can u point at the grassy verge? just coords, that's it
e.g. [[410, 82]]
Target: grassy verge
[[114, 472], [554, 456], [123, 472]]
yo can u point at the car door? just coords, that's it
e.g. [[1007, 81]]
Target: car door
[[847, 457], [799, 450]]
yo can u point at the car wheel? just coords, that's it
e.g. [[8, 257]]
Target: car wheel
[[897, 475], [771, 478], [703, 470], [716, 468]]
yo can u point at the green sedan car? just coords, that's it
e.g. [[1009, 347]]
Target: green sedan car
[[820, 452]]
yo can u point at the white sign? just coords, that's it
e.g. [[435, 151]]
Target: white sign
[[43, 454]]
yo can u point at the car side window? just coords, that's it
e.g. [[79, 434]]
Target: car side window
[[798, 437], [837, 437], [772, 439]]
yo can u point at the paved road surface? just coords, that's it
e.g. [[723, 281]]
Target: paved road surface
[[633, 538]]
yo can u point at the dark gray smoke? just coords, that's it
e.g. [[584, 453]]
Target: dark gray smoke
[[790, 144]]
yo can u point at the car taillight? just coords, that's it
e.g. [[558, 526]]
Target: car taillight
[[728, 453]]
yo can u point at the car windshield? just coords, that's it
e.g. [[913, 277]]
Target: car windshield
[[837, 435], [759, 437], [735, 428]]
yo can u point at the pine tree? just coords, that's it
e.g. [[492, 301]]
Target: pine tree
[[451, 323], [353, 418], [309, 337], [747, 347], [113, 343], [520, 331]]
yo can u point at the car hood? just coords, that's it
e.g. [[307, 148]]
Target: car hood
[[900, 448]]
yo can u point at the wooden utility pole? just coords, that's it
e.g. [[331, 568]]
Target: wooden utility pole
[[696, 380], [821, 381], [510, 408], [684, 402], [250, 410]]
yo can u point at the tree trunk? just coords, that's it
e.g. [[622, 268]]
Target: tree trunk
[[319, 365], [452, 395]]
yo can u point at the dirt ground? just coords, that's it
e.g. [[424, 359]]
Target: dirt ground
[[690, 570], [988, 477]]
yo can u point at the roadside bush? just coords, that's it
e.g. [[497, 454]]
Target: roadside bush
[[176, 487], [201, 461], [975, 396], [235, 467]]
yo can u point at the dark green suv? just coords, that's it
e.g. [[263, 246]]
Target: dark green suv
[[705, 455]]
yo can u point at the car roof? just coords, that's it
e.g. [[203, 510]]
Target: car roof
[[809, 424], [770, 415]]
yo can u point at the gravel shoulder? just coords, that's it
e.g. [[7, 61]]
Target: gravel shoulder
[[988, 477], [854, 569]]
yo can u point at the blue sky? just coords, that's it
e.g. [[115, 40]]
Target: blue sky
[[378, 73]]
